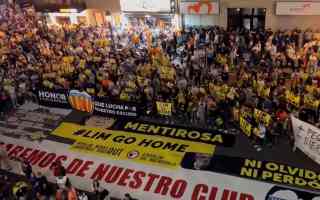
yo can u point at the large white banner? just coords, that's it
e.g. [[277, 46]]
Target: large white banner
[[307, 138], [199, 8], [298, 8], [145, 5], [142, 181]]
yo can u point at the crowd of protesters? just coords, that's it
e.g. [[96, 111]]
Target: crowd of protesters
[[212, 76], [33, 185]]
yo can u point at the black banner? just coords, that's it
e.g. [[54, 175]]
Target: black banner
[[268, 171], [178, 132], [105, 107], [56, 98], [84, 102]]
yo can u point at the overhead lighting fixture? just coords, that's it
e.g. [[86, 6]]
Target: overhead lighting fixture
[[71, 10]]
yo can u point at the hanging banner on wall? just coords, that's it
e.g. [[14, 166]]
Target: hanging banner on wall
[[84, 102], [143, 181], [268, 171], [307, 138], [199, 8], [298, 8], [145, 5]]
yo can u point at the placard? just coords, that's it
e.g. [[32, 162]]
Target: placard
[[164, 108], [245, 126]]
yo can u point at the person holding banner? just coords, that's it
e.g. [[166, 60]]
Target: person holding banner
[[260, 136], [68, 192]]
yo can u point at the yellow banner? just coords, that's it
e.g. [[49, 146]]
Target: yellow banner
[[120, 145], [167, 73], [68, 59], [246, 114], [261, 116], [164, 108], [102, 42], [265, 92], [293, 99], [310, 103], [245, 126]]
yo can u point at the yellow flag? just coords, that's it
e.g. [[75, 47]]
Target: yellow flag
[[164, 108], [245, 126]]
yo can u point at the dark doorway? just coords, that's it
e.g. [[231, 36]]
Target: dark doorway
[[246, 18]]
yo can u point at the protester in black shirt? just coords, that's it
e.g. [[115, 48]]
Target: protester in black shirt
[[26, 168], [40, 186]]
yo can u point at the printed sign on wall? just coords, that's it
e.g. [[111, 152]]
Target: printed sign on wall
[[199, 8], [145, 5], [298, 8]]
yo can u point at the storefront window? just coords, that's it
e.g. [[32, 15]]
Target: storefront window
[[246, 18], [259, 11], [246, 23], [246, 11], [63, 20]]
